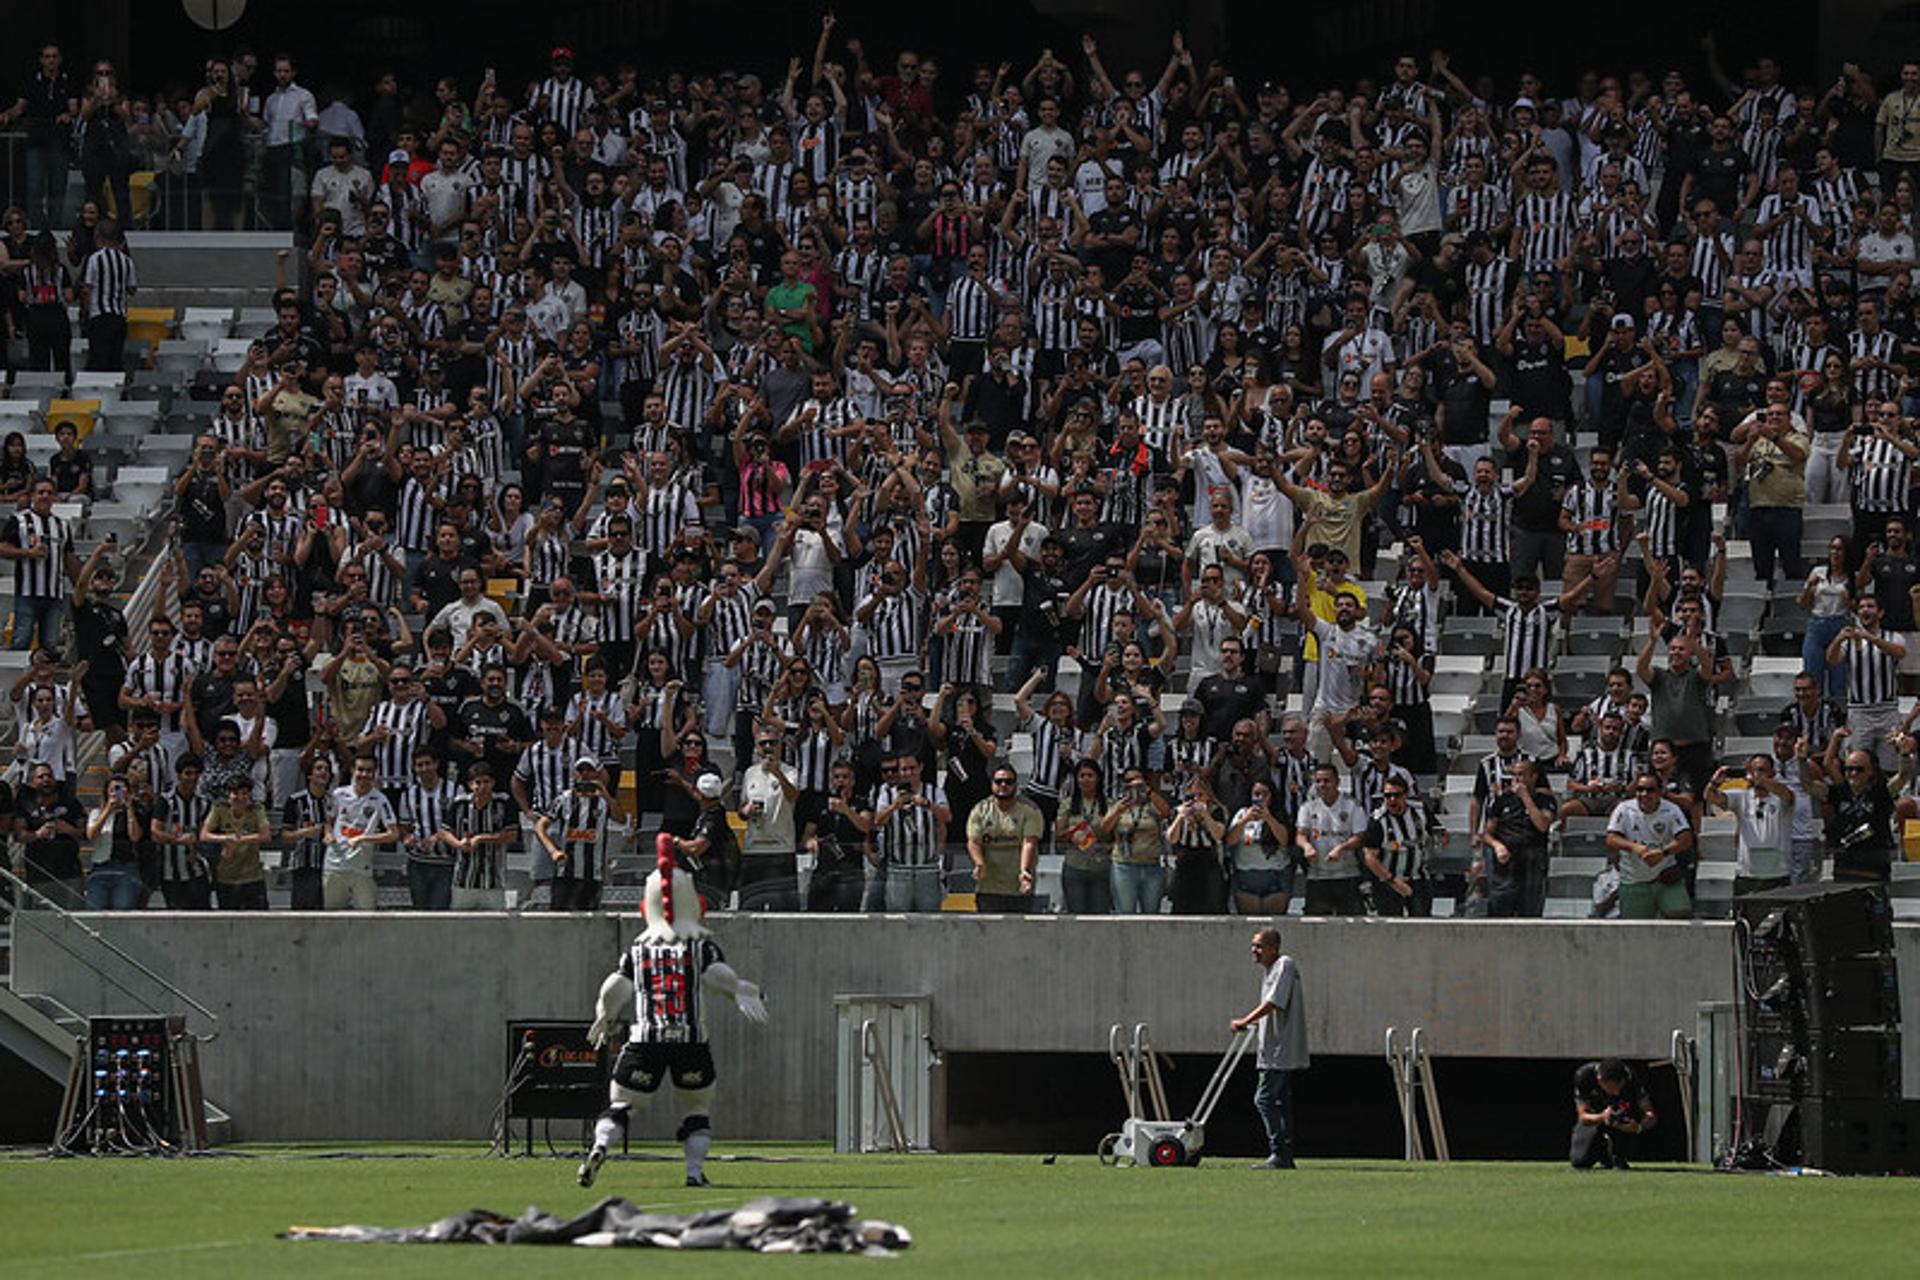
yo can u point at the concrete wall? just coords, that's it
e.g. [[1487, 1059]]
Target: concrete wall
[[210, 268], [393, 1026]]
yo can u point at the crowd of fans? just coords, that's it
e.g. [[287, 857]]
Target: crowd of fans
[[753, 460]]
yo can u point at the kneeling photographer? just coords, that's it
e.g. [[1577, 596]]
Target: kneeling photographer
[[1611, 1109]]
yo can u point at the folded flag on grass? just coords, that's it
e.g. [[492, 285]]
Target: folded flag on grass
[[769, 1224]]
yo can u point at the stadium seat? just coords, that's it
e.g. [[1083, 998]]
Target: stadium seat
[[150, 324], [83, 414]]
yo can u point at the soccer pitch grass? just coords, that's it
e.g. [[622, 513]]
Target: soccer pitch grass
[[970, 1215]]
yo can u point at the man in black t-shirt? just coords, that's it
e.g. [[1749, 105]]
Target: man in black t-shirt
[[492, 727], [1515, 857], [1539, 547], [1610, 1107], [1042, 626], [52, 827], [1230, 695]]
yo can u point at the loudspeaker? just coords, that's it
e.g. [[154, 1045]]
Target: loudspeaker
[[1825, 921], [1853, 991], [1854, 1135], [1784, 1063]]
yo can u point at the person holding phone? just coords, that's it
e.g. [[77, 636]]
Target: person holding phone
[[115, 831]]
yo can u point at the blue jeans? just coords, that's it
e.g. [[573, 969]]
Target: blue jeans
[[1775, 531], [111, 888], [47, 186], [764, 524], [1273, 1099], [1029, 653], [430, 884], [1813, 654], [199, 555], [1138, 888], [720, 689], [42, 613]]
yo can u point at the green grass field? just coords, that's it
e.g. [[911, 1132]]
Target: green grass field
[[977, 1216]]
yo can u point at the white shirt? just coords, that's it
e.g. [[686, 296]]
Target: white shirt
[[1009, 588], [289, 114], [350, 814], [1206, 544], [1651, 829], [1265, 512], [1366, 353], [459, 617], [1764, 835], [335, 190], [445, 195], [1281, 1036], [1326, 825], [771, 829], [381, 393], [1342, 656]]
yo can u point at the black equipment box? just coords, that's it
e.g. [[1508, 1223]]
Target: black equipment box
[[553, 1073], [1782, 1064], [1829, 920], [1840, 1135]]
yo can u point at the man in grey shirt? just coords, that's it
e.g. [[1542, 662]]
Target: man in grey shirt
[[1281, 1017]]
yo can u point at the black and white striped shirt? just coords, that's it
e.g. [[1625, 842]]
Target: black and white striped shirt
[[480, 867], [1163, 423], [1488, 287], [1367, 781], [894, 629], [43, 577], [166, 678], [911, 837], [620, 582], [1485, 519], [305, 809], [568, 102], [1399, 838], [1870, 383], [1758, 319], [969, 310], [1881, 476], [1790, 246], [579, 825], [1872, 674], [406, 725], [599, 741], [546, 772], [182, 815], [1711, 261], [1529, 634], [1596, 519], [1546, 226], [110, 281], [1054, 755], [424, 812], [666, 988], [414, 516], [1663, 524], [1617, 767]]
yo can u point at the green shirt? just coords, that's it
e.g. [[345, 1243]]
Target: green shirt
[[976, 480], [1001, 834], [239, 862], [785, 297]]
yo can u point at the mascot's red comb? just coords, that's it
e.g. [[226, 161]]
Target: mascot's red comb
[[664, 862]]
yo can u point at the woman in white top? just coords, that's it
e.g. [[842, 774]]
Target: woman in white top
[[1543, 730], [45, 738], [1262, 857], [1829, 599]]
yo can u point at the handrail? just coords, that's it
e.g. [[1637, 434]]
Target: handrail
[[876, 1055], [21, 887]]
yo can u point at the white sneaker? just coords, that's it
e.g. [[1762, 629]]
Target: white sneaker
[[590, 1167]]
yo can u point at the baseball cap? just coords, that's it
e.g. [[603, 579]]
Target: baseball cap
[[560, 54], [1524, 104], [1192, 707], [710, 786], [586, 762], [1621, 320], [399, 155]]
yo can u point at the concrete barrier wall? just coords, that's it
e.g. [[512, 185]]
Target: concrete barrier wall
[[393, 1026]]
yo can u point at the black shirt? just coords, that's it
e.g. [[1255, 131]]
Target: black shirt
[[69, 472], [57, 858], [438, 579], [1893, 578], [1513, 828], [1228, 700], [1112, 220], [98, 628], [1861, 831], [1086, 547], [1588, 1092], [449, 690], [1718, 176], [47, 100], [203, 516], [1538, 509], [1043, 598], [493, 727]]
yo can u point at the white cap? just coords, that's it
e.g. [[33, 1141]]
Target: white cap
[[586, 762], [1528, 103], [399, 155], [710, 786]]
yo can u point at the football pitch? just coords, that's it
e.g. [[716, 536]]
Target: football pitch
[[997, 1216]]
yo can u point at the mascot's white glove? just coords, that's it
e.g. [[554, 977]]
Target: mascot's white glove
[[746, 995], [610, 1023]]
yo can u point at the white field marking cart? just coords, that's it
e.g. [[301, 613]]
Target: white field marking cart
[[1165, 1143]]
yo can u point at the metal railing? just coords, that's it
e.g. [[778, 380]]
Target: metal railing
[[31, 912]]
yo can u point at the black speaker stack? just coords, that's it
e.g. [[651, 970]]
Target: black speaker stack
[[1821, 1030]]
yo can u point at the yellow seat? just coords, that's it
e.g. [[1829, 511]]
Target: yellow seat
[[627, 793], [140, 193], [502, 592], [81, 413], [149, 324], [1910, 839], [959, 902]]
